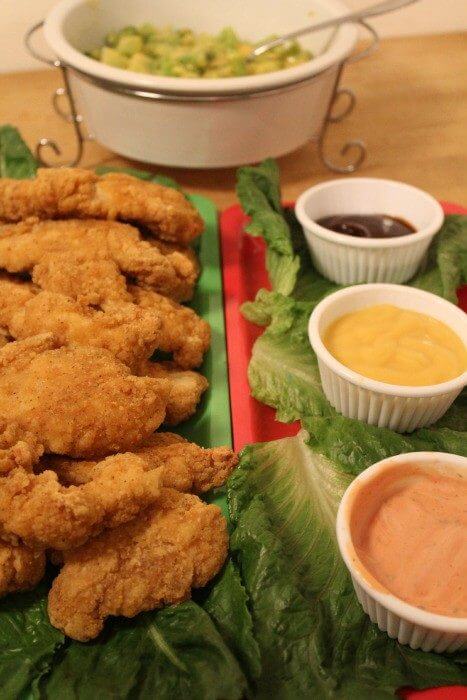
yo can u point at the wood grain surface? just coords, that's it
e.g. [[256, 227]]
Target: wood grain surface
[[411, 112]]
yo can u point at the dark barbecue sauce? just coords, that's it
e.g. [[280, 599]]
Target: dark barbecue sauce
[[367, 225]]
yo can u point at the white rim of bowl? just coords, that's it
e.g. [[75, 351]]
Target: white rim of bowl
[[372, 384], [341, 46], [444, 623], [352, 241]]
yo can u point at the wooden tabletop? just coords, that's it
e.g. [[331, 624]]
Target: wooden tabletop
[[411, 112]]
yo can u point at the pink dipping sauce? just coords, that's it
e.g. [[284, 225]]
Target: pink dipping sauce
[[409, 532]]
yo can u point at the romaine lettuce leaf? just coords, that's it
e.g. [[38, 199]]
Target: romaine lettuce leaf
[[354, 446], [288, 262], [227, 605], [446, 265], [28, 641], [174, 653], [314, 638], [259, 193], [283, 370], [16, 160]]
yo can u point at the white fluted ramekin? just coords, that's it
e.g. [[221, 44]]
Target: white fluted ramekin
[[351, 260], [406, 623], [401, 408]]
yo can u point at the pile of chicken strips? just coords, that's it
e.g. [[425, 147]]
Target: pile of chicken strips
[[94, 271]]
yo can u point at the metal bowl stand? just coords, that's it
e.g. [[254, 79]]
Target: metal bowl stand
[[355, 149]]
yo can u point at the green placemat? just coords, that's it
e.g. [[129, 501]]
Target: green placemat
[[211, 425]]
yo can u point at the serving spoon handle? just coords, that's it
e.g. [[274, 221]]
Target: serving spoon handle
[[380, 8]]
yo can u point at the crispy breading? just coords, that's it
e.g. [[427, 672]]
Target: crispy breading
[[89, 281], [185, 388], [183, 332], [36, 510], [24, 245], [73, 192], [78, 401], [186, 466], [130, 333], [21, 568], [19, 448], [14, 294], [155, 560], [5, 337], [183, 465]]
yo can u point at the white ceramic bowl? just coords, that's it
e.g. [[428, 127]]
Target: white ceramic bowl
[[410, 625], [257, 116], [401, 408], [351, 260]]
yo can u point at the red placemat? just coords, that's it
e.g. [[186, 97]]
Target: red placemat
[[244, 272]]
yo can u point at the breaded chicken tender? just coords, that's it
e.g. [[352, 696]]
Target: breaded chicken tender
[[19, 448], [155, 560], [5, 337], [14, 294], [21, 568], [185, 389], [36, 510], [90, 281], [183, 332], [183, 465], [130, 333], [77, 401], [57, 193], [24, 245]]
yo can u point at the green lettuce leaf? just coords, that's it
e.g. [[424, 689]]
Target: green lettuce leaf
[[354, 446], [28, 641], [16, 160], [259, 193], [283, 370], [446, 266], [174, 653], [288, 262], [227, 605], [314, 638]]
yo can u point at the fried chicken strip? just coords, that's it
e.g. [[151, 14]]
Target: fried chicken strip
[[90, 281], [25, 245], [19, 448], [130, 333], [183, 332], [126, 328], [58, 193], [183, 465], [14, 294], [21, 568], [185, 389], [5, 337], [78, 401], [36, 510], [155, 560]]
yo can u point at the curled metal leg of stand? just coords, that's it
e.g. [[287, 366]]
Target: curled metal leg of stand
[[70, 116], [348, 108], [355, 149]]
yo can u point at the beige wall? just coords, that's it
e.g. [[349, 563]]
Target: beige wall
[[426, 16]]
